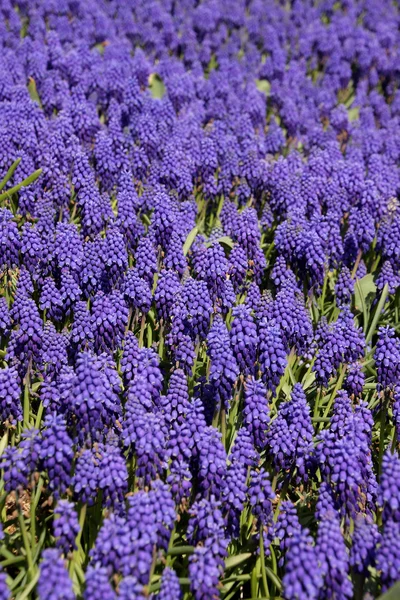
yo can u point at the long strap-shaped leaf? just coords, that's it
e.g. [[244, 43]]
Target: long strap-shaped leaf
[[392, 594], [9, 173], [20, 185]]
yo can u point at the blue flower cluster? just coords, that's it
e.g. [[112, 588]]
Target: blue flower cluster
[[199, 299]]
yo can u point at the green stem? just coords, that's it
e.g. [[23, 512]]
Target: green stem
[[12, 561], [179, 550], [322, 299], [223, 425], [377, 314], [27, 405], [4, 442], [263, 571], [38, 492], [316, 406], [39, 415], [335, 389], [274, 568], [75, 569], [142, 327], [375, 263], [363, 306], [156, 586], [82, 517], [282, 495], [267, 253], [382, 434], [274, 578], [33, 522], [25, 540], [245, 577], [356, 264], [13, 585], [161, 342], [254, 579]]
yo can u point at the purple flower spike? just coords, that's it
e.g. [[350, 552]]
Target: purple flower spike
[[10, 396], [98, 585], [272, 354], [54, 582], [256, 412], [170, 587], [66, 526], [302, 577], [244, 339]]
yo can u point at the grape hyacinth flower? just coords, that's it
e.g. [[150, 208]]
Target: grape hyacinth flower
[[130, 356], [333, 558], [5, 592], [364, 542], [5, 319], [180, 481], [272, 354], [354, 380], [387, 357], [303, 578], [388, 496], [344, 287], [55, 453], [388, 554], [14, 467], [291, 435], [212, 462], [224, 368], [66, 526], [287, 526], [10, 392], [261, 496], [256, 412], [54, 582], [130, 588], [170, 587], [98, 585], [113, 475], [244, 339], [205, 570], [86, 479], [51, 300]]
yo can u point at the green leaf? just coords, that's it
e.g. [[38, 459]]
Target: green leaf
[[157, 87], [364, 288], [179, 550], [354, 113], [225, 240], [146, 220], [392, 594], [30, 586], [378, 312], [33, 91], [213, 64], [189, 240], [24, 183], [263, 86], [361, 304], [9, 173], [238, 559], [309, 380], [100, 47], [274, 577]]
